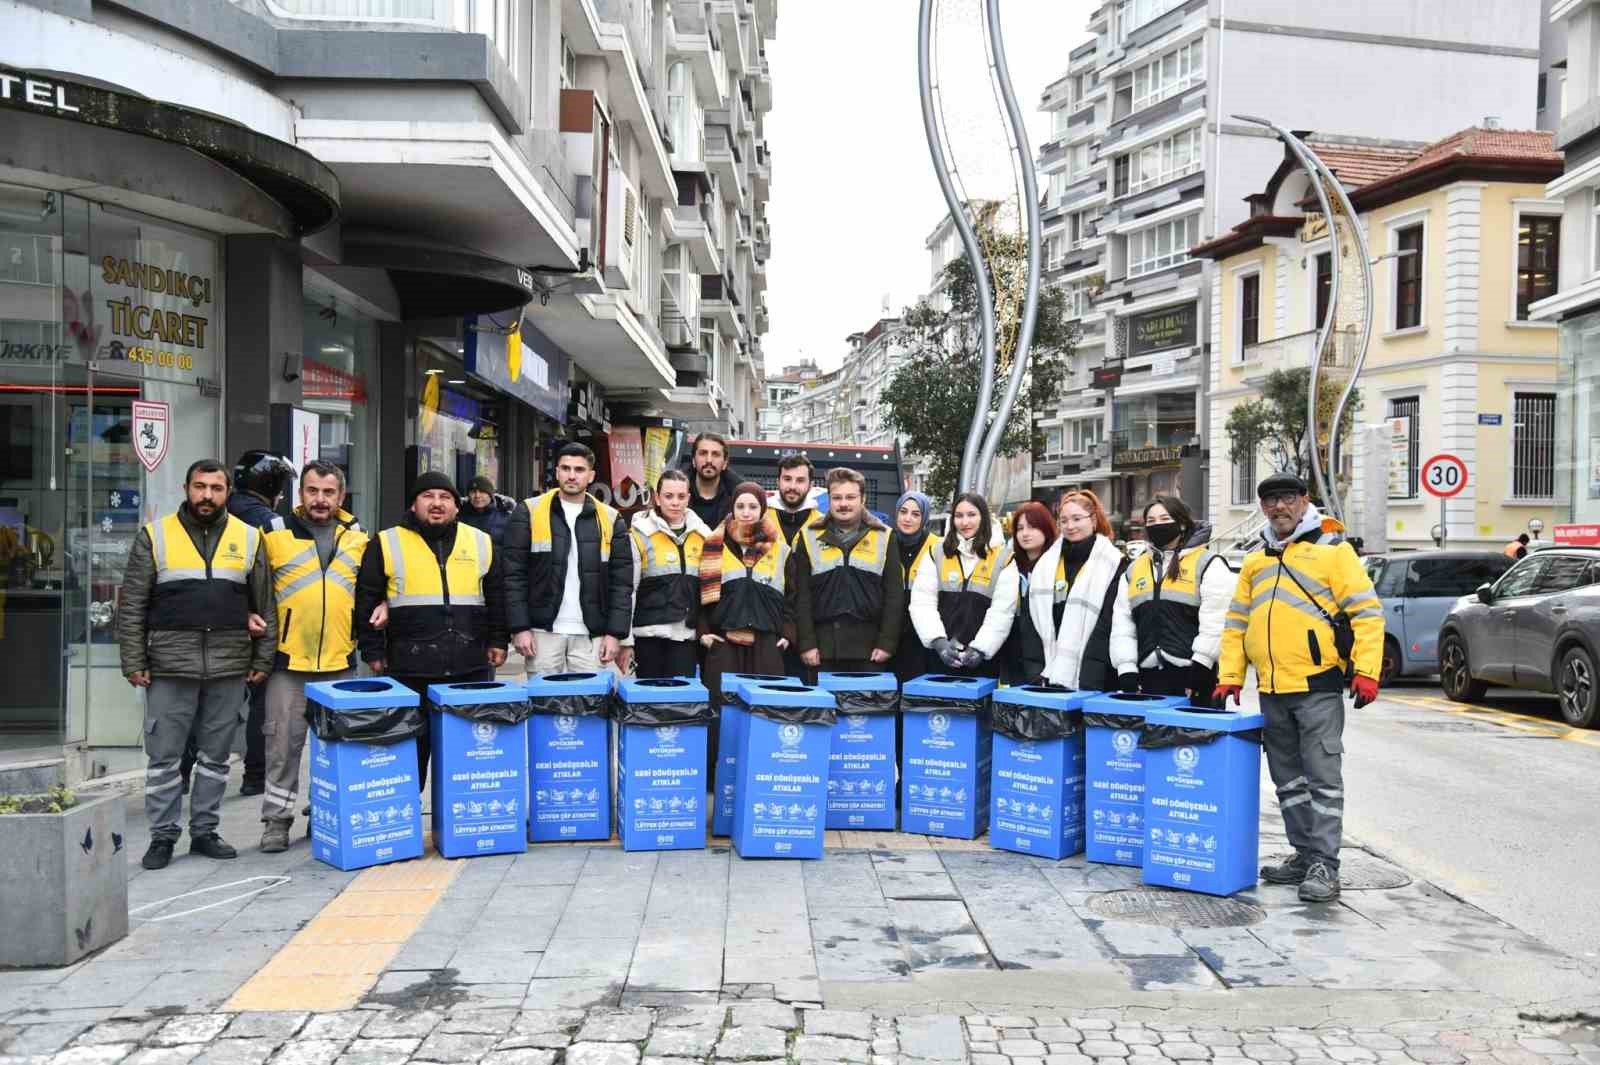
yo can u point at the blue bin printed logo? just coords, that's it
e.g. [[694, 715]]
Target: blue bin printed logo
[[857, 722], [484, 733], [939, 725], [789, 736], [667, 745], [1186, 758], [566, 724], [1124, 742]]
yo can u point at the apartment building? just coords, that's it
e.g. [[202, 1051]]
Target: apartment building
[[844, 405], [402, 235], [1467, 243], [1146, 160]]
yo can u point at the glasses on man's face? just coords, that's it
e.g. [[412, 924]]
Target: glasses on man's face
[[1280, 499]]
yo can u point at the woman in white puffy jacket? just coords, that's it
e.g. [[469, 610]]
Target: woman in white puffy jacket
[[964, 598], [1072, 594]]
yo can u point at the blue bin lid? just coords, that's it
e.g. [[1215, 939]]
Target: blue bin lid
[[1135, 704], [857, 682], [733, 683], [663, 690], [548, 684], [941, 686], [1043, 697], [362, 693], [467, 693], [1205, 718], [785, 695]]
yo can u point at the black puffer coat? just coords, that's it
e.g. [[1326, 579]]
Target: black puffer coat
[[535, 582]]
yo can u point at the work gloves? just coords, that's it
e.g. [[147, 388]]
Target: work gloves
[[1366, 690], [971, 657], [1226, 691], [948, 653], [1127, 682]]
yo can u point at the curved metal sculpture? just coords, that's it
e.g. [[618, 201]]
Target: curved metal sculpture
[[1328, 363], [982, 446]]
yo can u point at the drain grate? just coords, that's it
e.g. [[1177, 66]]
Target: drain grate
[[1360, 871], [1175, 909]]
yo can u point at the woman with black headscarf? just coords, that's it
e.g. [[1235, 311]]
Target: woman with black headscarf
[[1166, 631], [909, 543]]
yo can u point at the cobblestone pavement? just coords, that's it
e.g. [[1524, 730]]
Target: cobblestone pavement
[[759, 1033]]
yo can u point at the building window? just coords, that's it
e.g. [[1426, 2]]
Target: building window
[[1324, 286], [1410, 408], [569, 66], [1408, 278], [1249, 311], [1166, 160], [1086, 433], [1169, 74], [1533, 445], [1122, 169], [1058, 187], [1052, 442], [685, 118], [1075, 301], [1131, 14], [1538, 259], [1061, 120], [1161, 246], [1244, 480]]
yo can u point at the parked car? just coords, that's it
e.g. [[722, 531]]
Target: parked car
[[1537, 627], [1418, 588]]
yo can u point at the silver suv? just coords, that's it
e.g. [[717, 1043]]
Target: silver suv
[[1537, 627]]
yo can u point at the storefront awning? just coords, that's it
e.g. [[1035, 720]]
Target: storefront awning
[[306, 190], [436, 282]]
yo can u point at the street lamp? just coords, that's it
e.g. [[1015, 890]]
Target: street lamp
[[1437, 532], [1536, 527]]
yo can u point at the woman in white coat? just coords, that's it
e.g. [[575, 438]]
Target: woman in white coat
[[1073, 593], [964, 597]]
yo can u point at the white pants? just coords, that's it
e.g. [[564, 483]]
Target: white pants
[[554, 652]]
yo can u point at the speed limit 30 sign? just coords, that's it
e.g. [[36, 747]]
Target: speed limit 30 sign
[[1444, 475]]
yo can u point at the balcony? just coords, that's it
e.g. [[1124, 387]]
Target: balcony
[[628, 95], [695, 39], [716, 300], [693, 225], [733, 19], [761, 173], [725, 159], [1294, 352]]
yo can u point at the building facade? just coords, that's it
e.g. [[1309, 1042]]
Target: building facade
[[1145, 160], [400, 236], [1466, 242]]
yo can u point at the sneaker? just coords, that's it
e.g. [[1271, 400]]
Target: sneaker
[[1290, 870], [158, 855], [1321, 883], [252, 787], [275, 839], [212, 846]]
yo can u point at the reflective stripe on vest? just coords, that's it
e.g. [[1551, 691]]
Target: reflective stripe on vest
[[1180, 584], [825, 557], [413, 568], [658, 554], [924, 550], [540, 509], [953, 579], [316, 607], [769, 571], [178, 559]]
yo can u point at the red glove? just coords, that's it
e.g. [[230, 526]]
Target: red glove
[[1366, 690], [1221, 695]]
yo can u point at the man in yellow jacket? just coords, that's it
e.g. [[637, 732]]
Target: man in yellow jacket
[[1305, 615]]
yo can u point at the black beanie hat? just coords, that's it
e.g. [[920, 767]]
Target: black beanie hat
[[482, 484], [432, 479]]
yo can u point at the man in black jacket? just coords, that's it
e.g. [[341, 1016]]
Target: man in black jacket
[[445, 589], [712, 495], [569, 574]]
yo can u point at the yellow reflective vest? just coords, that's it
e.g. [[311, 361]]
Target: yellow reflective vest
[[964, 598], [752, 597], [1276, 620], [846, 586], [539, 511], [416, 580], [316, 604], [1166, 610], [669, 574], [192, 592]]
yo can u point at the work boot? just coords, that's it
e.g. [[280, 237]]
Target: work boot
[[212, 846], [1290, 870], [1321, 883], [158, 854], [275, 839]]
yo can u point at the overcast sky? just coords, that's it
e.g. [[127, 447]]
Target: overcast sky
[[853, 191]]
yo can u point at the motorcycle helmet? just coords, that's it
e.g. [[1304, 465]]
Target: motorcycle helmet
[[263, 473]]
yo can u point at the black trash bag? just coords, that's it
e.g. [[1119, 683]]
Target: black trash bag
[[570, 705], [1034, 722], [510, 712], [1103, 719], [699, 712], [951, 704], [789, 715], [869, 703], [382, 726], [1157, 737]]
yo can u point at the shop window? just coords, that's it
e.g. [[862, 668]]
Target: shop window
[[1538, 260], [1533, 445], [1409, 407], [1408, 277], [339, 382]]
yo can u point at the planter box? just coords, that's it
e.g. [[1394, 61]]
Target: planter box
[[63, 883]]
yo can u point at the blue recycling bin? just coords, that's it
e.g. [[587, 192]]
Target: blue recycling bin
[[569, 756], [1114, 774], [730, 735], [1037, 781], [366, 805], [1202, 798], [480, 767], [782, 798], [944, 769], [862, 761], [661, 763]]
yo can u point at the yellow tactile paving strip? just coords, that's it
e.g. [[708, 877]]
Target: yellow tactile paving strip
[[333, 961]]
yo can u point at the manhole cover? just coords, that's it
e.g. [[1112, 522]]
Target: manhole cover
[[1359, 871], [1175, 909]]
